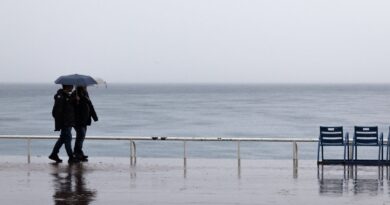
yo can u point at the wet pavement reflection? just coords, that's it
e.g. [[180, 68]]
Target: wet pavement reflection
[[70, 186], [356, 180], [207, 181]]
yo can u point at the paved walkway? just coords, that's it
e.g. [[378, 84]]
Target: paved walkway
[[205, 181]]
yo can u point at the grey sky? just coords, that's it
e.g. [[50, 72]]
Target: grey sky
[[238, 41]]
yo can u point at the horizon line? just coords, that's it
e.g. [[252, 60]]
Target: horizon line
[[221, 83]]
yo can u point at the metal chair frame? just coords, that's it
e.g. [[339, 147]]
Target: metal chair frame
[[367, 136], [332, 136]]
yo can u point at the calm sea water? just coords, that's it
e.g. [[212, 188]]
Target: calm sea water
[[197, 110]]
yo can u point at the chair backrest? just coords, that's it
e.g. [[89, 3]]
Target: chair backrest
[[331, 135], [366, 135]]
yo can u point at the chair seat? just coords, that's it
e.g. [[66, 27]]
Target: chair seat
[[333, 144], [332, 141], [366, 144]]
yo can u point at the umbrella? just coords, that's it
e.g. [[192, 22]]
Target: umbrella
[[76, 79]]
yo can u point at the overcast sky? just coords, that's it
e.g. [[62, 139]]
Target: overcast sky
[[196, 41]]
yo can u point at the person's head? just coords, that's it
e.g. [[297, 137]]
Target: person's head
[[67, 88], [81, 90]]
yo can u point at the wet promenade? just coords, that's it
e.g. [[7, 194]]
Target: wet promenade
[[204, 181]]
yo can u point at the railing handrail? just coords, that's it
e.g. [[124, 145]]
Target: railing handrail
[[132, 139], [168, 138]]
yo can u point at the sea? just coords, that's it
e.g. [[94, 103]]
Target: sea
[[199, 110]]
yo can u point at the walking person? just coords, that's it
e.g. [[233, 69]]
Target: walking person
[[64, 117], [84, 112]]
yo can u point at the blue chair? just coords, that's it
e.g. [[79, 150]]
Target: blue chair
[[367, 136], [332, 136]]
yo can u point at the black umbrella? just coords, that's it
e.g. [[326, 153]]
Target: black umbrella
[[76, 79]]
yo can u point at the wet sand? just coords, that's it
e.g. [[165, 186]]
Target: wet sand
[[204, 181]]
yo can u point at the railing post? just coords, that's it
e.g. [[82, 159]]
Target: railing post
[[185, 154], [295, 159], [350, 151], [133, 153], [239, 158], [29, 150]]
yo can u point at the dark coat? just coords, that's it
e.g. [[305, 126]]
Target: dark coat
[[63, 110], [85, 111]]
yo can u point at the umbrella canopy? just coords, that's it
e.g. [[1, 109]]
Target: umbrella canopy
[[76, 79]]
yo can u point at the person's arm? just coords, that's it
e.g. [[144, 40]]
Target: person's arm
[[58, 106], [93, 112]]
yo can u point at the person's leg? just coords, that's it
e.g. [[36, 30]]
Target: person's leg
[[57, 147], [67, 136], [84, 133], [68, 142], [76, 148], [78, 145]]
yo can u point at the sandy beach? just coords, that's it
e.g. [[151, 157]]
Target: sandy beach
[[204, 181]]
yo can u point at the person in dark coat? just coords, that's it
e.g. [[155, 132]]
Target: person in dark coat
[[64, 118], [84, 112]]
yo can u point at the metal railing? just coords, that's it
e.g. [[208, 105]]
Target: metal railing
[[133, 139]]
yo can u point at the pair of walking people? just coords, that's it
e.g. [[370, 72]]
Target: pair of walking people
[[72, 109]]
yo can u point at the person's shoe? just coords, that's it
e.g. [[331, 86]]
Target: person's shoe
[[84, 159], [81, 157], [55, 157], [73, 160]]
